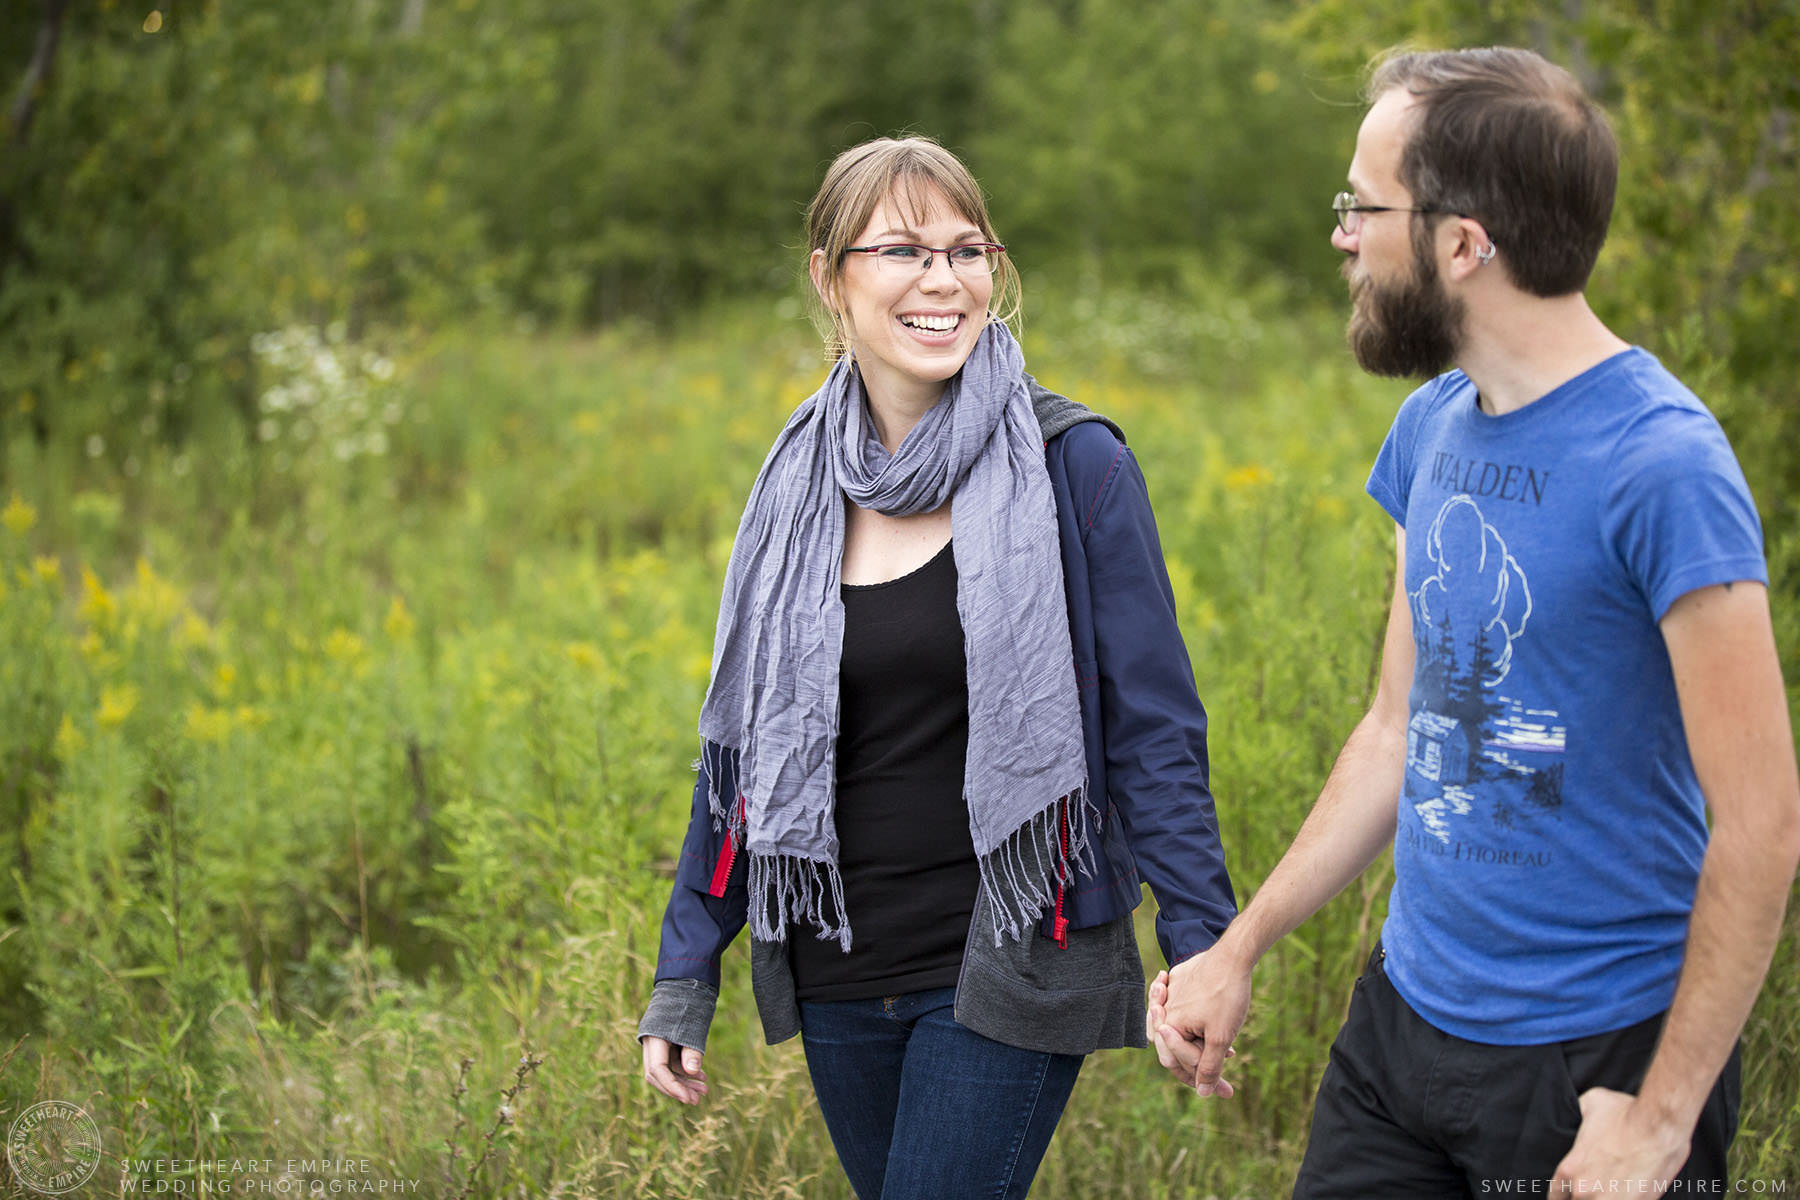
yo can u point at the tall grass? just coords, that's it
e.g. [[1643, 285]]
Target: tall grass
[[340, 774]]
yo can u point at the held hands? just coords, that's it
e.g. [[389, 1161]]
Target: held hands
[[1619, 1140], [673, 1070], [1195, 1012]]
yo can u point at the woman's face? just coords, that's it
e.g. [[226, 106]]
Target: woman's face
[[911, 329]]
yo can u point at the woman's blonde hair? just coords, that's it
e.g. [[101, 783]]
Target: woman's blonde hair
[[860, 179]]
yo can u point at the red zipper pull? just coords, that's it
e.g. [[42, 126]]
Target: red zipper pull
[[1059, 926], [728, 852]]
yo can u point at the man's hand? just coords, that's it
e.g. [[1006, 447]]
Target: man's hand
[[673, 1070], [1620, 1142], [1195, 1012]]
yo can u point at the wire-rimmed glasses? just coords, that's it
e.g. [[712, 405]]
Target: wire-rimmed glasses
[[969, 258], [1350, 212]]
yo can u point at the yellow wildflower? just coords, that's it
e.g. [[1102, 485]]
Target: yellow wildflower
[[343, 645], [207, 724], [116, 703], [250, 716], [48, 569], [223, 679], [153, 597], [18, 516], [68, 740], [668, 638], [585, 655], [349, 651], [1247, 478], [97, 604], [589, 423], [399, 624], [193, 632], [793, 392]]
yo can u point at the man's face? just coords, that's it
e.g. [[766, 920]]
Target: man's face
[[1403, 323]]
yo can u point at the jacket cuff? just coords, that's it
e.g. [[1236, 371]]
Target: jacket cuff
[[680, 1012]]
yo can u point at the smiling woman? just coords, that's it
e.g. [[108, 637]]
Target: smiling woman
[[947, 678], [912, 313]]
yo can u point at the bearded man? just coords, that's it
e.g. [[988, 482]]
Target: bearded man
[[1579, 670]]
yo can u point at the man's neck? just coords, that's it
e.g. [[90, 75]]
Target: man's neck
[[1526, 348]]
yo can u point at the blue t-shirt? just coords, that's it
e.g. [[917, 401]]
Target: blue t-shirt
[[1550, 826]]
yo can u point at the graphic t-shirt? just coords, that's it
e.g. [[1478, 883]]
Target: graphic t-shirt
[[1550, 825]]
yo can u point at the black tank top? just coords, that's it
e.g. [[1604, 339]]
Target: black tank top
[[904, 848]]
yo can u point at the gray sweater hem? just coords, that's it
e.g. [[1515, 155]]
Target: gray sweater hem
[[1069, 1022], [1030, 993]]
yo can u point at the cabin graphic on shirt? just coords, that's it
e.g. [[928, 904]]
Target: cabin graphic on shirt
[[1438, 747], [1474, 752]]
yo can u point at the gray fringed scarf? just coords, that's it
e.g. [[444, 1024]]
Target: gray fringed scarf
[[774, 693]]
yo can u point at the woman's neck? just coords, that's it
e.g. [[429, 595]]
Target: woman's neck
[[896, 407]]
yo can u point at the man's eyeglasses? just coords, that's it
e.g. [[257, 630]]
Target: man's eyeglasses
[[970, 258], [1350, 213]]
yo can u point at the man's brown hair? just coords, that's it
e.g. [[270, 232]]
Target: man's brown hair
[[1514, 142]]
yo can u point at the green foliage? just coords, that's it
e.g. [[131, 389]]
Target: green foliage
[[314, 809], [393, 164], [243, 171], [1132, 139], [380, 381], [314, 804]]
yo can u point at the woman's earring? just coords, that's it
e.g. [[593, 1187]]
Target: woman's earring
[[1485, 255]]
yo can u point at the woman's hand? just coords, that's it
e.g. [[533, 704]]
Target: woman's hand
[[674, 1070]]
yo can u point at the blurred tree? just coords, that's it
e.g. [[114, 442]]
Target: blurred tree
[[187, 178], [19, 116], [1139, 136]]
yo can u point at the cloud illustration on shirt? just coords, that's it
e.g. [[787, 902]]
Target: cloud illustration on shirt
[[1479, 598]]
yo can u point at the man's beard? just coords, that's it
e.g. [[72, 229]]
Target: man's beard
[[1409, 329]]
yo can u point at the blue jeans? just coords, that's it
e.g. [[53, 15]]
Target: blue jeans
[[920, 1108]]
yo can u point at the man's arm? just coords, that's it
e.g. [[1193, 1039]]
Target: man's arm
[[1350, 824], [1722, 649]]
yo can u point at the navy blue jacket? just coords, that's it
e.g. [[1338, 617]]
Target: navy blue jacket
[[1143, 723]]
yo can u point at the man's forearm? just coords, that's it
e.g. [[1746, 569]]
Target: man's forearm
[[1734, 707], [1732, 933]]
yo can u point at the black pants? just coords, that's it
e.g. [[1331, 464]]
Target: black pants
[[1406, 1110]]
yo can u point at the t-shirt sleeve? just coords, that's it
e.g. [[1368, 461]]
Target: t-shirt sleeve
[[1679, 514], [1390, 480]]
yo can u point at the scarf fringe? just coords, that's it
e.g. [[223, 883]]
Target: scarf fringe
[[785, 888], [712, 766], [1020, 874]]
